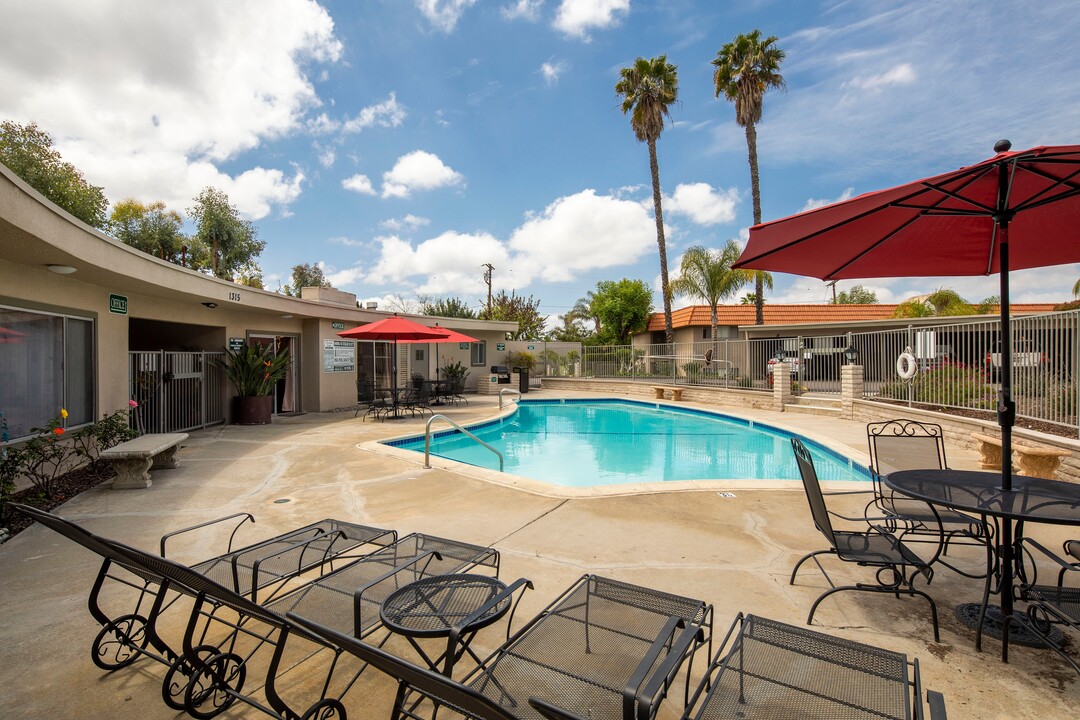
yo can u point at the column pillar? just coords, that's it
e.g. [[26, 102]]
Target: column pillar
[[851, 388]]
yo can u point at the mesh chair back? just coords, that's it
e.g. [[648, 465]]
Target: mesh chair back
[[441, 689], [905, 445], [813, 490], [194, 582]]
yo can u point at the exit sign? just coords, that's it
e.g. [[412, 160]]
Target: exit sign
[[118, 304]]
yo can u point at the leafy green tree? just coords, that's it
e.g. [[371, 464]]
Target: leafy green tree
[[571, 330], [1076, 289], [150, 228], [28, 152], [746, 68], [707, 274], [447, 307], [305, 275], [648, 87], [857, 295], [941, 302], [250, 274], [525, 312], [231, 242], [623, 308]]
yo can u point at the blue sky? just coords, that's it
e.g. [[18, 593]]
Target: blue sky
[[402, 144]]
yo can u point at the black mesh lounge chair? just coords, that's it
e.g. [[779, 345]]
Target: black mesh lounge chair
[[265, 566], [876, 547], [767, 669], [603, 649], [1052, 605], [211, 675], [910, 445]]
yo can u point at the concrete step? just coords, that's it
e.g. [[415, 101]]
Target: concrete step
[[813, 410], [817, 401]]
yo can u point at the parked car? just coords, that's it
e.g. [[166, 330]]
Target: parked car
[[792, 362], [1026, 357]]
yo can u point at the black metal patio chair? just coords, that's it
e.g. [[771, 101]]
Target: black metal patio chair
[[1055, 605], [912, 445], [603, 649], [876, 547], [382, 404], [769, 669], [267, 564]]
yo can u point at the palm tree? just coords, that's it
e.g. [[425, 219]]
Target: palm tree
[[746, 68], [1076, 289], [648, 87], [707, 274]]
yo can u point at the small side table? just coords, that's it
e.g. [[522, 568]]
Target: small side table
[[435, 606]]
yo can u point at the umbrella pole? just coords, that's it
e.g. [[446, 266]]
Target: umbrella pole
[[1006, 407]]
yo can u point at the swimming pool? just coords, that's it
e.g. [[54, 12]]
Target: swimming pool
[[582, 443]]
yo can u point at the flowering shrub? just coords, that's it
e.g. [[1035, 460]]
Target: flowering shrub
[[52, 451]]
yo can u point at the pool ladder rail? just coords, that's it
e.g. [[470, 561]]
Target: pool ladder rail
[[506, 390], [427, 439]]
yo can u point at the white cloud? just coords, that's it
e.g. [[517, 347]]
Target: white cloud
[[583, 232], [322, 124], [180, 90], [410, 221], [523, 10], [388, 113], [418, 170], [359, 183], [814, 203], [327, 157], [902, 74], [576, 17], [551, 71], [443, 14], [702, 204], [447, 263]]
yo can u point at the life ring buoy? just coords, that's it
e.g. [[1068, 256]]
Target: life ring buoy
[[906, 367]]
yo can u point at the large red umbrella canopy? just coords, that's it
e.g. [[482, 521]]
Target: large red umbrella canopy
[[940, 226], [394, 328], [1015, 210], [450, 336]]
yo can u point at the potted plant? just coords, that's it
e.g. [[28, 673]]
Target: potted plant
[[455, 375], [253, 370]]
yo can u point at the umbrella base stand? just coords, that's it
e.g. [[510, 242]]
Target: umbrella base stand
[[994, 622]]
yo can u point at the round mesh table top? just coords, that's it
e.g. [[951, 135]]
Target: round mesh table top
[[431, 606], [1031, 498]]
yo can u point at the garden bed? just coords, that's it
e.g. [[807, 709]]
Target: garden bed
[[65, 487]]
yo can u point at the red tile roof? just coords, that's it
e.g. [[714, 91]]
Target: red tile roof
[[794, 314]]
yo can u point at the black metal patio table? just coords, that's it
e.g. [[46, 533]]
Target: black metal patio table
[[1031, 499], [437, 606]]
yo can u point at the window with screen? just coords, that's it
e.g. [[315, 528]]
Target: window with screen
[[479, 354]]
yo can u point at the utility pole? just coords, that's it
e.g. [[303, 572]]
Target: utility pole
[[833, 285], [487, 278]]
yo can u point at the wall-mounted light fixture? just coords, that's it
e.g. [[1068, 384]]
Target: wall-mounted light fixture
[[851, 355], [210, 305], [61, 269], [286, 317]]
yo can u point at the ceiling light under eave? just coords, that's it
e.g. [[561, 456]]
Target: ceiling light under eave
[[60, 269]]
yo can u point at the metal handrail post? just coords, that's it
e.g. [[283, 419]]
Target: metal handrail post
[[427, 440], [506, 390]]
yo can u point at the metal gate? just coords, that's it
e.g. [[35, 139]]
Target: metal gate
[[176, 391]]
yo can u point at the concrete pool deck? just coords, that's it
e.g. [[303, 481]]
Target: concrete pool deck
[[734, 552]]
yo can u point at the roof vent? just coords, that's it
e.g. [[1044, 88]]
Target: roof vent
[[371, 305]]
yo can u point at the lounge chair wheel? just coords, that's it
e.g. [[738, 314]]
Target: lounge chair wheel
[[175, 684], [210, 690], [325, 709], [115, 646]]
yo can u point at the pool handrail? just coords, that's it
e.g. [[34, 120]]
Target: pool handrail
[[506, 390], [427, 440]]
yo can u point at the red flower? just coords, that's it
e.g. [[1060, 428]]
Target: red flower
[[58, 431]]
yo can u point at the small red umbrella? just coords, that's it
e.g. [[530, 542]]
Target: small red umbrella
[[394, 328], [1014, 210]]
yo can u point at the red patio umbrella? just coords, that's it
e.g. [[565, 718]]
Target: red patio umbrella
[[450, 336], [8, 335], [394, 328], [1015, 210]]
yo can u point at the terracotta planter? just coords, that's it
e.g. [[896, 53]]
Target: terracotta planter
[[252, 410]]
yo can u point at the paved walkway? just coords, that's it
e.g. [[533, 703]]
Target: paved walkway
[[735, 552]]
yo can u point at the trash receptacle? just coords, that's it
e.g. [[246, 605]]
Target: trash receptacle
[[523, 379]]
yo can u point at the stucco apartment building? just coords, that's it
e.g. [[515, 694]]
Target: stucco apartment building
[[87, 323]]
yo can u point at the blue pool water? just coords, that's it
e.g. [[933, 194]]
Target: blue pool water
[[585, 443]]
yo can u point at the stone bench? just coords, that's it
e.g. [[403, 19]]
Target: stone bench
[[676, 393], [1031, 461], [133, 459]]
